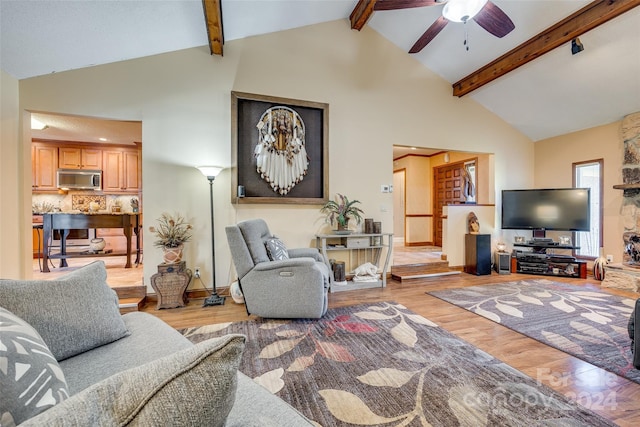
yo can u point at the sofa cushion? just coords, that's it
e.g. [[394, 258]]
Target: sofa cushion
[[86, 314], [30, 379], [150, 339], [276, 249], [193, 387]]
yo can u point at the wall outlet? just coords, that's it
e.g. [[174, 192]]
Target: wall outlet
[[196, 272], [609, 258]]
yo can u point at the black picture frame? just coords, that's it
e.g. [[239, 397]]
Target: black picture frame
[[247, 186]]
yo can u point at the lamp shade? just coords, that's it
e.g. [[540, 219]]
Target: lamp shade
[[462, 10], [210, 171]]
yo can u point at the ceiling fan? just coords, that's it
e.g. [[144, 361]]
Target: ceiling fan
[[484, 12]]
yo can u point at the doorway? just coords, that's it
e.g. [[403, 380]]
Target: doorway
[[111, 147], [399, 212], [426, 180]]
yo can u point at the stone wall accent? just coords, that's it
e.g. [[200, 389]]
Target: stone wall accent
[[630, 210], [621, 278]]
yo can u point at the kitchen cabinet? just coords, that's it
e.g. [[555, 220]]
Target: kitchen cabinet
[[44, 163], [121, 171], [115, 239], [79, 158]]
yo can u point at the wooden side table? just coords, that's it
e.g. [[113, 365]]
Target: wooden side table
[[170, 284]]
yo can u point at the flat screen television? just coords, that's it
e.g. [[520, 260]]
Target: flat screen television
[[566, 209]]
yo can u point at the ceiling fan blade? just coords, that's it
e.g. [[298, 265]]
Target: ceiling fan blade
[[428, 35], [494, 20], [402, 4]]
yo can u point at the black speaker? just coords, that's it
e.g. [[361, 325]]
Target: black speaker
[[477, 254], [502, 263]]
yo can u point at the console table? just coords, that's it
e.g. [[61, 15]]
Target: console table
[[360, 248], [69, 221]]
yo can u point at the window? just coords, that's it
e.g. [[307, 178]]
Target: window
[[589, 175]]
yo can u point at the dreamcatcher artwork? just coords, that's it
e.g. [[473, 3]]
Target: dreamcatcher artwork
[[281, 157]]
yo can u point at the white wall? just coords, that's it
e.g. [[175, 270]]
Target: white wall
[[455, 226], [554, 158], [12, 247], [378, 96]]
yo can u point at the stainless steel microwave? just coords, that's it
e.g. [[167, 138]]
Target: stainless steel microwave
[[79, 179]]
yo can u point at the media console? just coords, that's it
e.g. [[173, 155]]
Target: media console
[[538, 261]]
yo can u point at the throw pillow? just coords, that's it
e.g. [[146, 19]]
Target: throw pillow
[[193, 387], [276, 249], [31, 380], [73, 314]]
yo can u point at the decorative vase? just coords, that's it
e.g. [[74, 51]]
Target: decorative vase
[[598, 267], [172, 255], [236, 293], [97, 244]]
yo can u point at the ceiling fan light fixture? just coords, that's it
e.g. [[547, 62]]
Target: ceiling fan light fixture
[[462, 10]]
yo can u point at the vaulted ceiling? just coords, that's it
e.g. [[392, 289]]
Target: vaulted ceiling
[[546, 91]]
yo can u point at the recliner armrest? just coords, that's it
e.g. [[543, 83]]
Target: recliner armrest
[[285, 263], [305, 252]]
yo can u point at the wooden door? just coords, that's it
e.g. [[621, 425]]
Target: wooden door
[[447, 182]]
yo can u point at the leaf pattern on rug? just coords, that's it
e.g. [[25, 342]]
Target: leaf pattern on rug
[[206, 329], [563, 342], [271, 380], [591, 325], [292, 339], [387, 377], [350, 408], [382, 365]]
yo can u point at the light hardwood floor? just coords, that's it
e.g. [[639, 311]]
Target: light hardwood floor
[[613, 397]]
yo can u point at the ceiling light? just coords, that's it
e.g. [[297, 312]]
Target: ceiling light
[[462, 10], [103, 139], [37, 124]]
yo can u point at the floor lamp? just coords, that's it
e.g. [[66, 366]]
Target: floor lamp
[[214, 299]]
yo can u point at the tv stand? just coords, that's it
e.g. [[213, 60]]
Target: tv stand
[[538, 261]]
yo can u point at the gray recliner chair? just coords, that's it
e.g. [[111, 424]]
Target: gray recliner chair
[[288, 288]]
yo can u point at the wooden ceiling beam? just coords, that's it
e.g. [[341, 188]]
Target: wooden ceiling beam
[[213, 19], [361, 13], [586, 19]]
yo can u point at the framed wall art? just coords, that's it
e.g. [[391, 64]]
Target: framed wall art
[[280, 151]]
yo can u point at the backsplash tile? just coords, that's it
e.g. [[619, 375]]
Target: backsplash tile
[[81, 201]]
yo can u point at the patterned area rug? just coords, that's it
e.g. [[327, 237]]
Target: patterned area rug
[[381, 364], [589, 325]]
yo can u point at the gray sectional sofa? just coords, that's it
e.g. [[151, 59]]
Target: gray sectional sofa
[[75, 361]]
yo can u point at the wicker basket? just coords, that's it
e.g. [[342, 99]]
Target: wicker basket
[[170, 284]]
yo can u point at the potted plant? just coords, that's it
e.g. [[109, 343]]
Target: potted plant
[[341, 211], [171, 233]]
